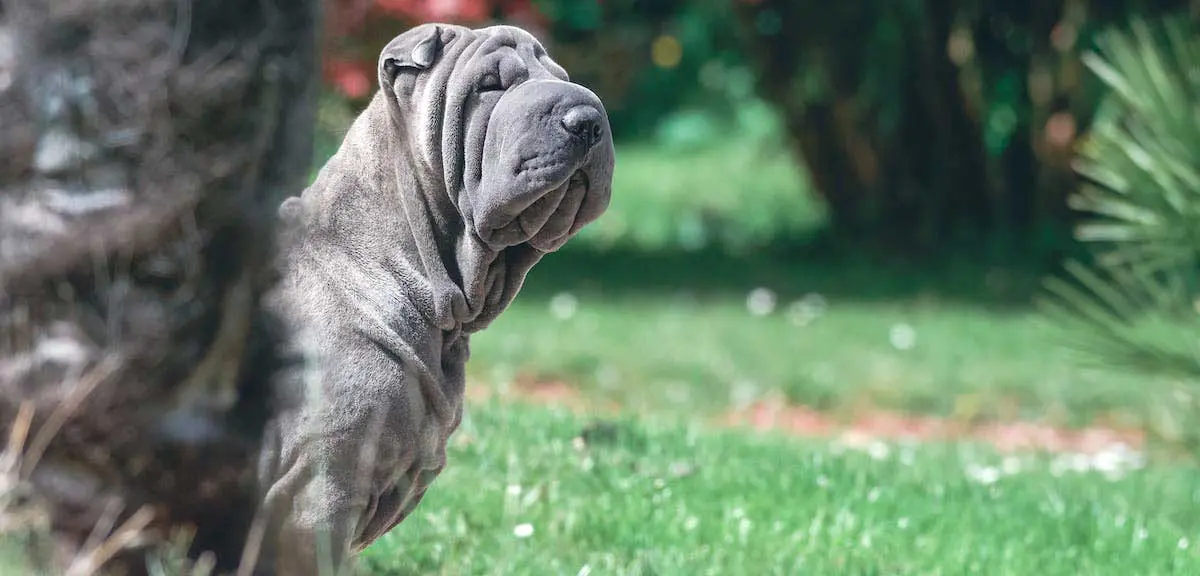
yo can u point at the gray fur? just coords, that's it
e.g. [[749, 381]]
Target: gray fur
[[417, 233]]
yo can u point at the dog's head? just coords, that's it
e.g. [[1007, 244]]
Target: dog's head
[[526, 155]]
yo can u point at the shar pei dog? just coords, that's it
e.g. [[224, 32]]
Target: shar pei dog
[[476, 157]]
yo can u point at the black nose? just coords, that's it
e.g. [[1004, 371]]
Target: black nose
[[586, 123]]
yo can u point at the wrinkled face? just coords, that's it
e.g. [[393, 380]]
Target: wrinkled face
[[526, 155]]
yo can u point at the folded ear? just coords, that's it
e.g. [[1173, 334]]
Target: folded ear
[[416, 49]]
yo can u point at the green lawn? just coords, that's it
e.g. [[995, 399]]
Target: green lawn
[[522, 496], [687, 348]]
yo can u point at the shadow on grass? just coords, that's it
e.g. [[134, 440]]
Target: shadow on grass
[[792, 271]]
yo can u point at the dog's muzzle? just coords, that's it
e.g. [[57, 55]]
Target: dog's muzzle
[[548, 163]]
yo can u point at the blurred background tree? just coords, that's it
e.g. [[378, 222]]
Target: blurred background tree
[[646, 58], [940, 122]]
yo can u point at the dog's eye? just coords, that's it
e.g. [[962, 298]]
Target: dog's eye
[[490, 83]]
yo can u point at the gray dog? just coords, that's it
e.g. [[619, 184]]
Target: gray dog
[[476, 157]]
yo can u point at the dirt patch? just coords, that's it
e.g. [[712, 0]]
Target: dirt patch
[[859, 428], [541, 392], [875, 424]]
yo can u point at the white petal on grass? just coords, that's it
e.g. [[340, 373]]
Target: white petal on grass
[[523, 530], [1119, 456], [1183, 544], [878, 450], [1059, 466], [608, 376], [1081, 463], [985, 475], [1113, 475], [760, 302], [563, 306], [743, 392], [903, 336], [1011, 465], [513, 490], [805, 310], [744, 529]]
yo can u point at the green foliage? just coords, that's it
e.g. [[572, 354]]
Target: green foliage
[[1143, 157], [1136, 305], [609, 47], [740, 195]]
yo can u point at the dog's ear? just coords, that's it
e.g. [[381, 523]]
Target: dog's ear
[[416, 49]]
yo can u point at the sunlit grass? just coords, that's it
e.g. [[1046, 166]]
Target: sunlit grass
[[667, 352], [523, 496]]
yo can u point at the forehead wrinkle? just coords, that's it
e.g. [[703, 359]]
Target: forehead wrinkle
[[512, 33], [505, 43], [497, 41], [532, 57], [434, 94]]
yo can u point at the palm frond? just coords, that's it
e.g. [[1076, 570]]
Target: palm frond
[[1124, 317], [1141, 162], [1135, 306]]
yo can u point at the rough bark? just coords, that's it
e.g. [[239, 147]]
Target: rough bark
[[144, 147]]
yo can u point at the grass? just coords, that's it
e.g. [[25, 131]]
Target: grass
[[658, 499], [672, 352]]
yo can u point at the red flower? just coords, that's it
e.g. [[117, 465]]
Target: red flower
[[346, 20], [437, 10], [349, 77]]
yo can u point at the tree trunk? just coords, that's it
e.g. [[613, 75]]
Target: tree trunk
[[910, 182], [144, 148], [902, 153]]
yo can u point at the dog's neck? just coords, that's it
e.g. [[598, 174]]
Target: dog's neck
[[397, 217]]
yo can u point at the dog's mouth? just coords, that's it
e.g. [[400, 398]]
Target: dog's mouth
[[563, 214], [549, 222]]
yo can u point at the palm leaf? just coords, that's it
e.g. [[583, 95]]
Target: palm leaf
[[1134, 306]]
